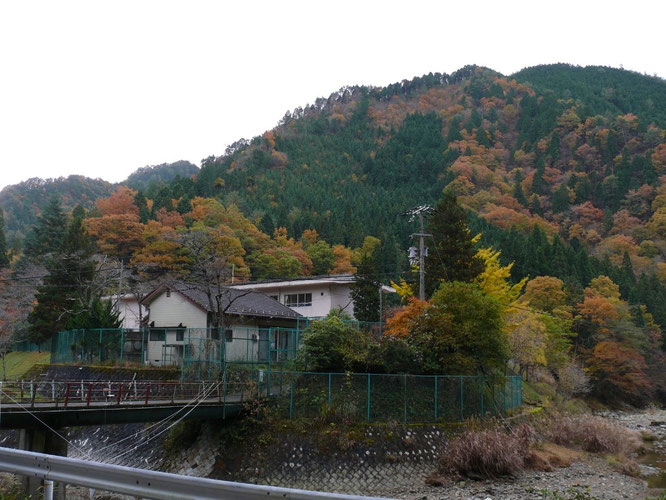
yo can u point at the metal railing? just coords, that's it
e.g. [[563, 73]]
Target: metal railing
[[85, 393], [352, 396], [143, 483]]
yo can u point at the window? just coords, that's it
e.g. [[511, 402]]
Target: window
[[180, 335], [298, 299], [168, 293], [157, 335], [274, 297], [228, 335]]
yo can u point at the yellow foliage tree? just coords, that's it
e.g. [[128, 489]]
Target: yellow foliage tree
[[494, 280]]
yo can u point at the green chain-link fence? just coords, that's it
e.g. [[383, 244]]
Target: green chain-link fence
[[400, 398], [199, 351]]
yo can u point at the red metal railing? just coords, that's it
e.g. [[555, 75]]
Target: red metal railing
[[85, 393]]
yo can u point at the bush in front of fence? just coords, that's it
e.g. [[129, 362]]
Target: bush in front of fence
[[488, 453]]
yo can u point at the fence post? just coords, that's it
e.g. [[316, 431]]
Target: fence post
[[404, 398], [143, 333], [99, 356], [368, 415], [270, 358], [122, 343], [329, 391], [462, 400], [224, 391], [291, 399], [436, 398], [504, 398], [482, 385]]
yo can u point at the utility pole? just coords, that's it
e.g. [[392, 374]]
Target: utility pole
[[380, 309], [420, 211], [421, 259]]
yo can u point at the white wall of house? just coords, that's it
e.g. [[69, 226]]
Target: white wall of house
[[247, 340], [128, 307], [240, 342], [169, 310], [324, 294], [341, 298]]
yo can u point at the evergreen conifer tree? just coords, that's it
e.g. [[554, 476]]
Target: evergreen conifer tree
[[48, 234], [453, 255], [4, 258], [518, 193], [141, 202], [365, 290], [66, 290]]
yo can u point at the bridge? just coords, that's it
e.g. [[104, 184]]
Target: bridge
[[40, 409], [27, 405]]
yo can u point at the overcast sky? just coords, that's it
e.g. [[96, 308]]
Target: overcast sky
[[103, 88]]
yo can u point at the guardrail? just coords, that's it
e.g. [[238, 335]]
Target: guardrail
[[141, 482], [78, 393]]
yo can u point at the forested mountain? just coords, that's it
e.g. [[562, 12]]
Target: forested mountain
[[577, 152], [601, 90], [23, 202], [145, 177], [561, 170], [519, 157]]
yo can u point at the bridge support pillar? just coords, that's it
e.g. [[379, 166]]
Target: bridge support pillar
[[42, 441]]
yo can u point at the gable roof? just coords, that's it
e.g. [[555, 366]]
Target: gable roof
[[232, 301]]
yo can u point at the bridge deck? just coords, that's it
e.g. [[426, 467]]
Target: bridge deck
[[70, 403]]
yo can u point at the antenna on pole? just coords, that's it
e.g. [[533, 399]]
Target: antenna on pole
[[413, 213]]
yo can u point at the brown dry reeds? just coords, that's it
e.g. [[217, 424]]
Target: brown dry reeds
[[488, 453], [593, 434]]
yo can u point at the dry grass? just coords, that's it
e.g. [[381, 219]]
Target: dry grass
[[481, 452], [593, 434], [548, 456], [488, 453]]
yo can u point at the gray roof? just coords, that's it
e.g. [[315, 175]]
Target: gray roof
[[232, 301]]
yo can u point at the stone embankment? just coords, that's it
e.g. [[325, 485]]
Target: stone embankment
[[388, 461]]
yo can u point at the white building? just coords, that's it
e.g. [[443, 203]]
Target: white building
[[131, 313], [179, 319], [311, 297]]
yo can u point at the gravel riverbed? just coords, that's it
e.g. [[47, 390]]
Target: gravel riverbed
[[591, 474]]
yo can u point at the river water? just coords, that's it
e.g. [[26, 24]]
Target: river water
[[651, 423]]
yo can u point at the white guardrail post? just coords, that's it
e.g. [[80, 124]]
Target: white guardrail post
[[141, 482]]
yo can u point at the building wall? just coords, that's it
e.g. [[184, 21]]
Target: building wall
[[248, 342], [341, 298], [249, 338], [128, 308], [171, 311], [321, 297], [176, 310]]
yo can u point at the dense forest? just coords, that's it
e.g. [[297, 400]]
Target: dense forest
[[22, 203], [560, 169]]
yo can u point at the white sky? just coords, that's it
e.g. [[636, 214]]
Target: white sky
[[103, 88]]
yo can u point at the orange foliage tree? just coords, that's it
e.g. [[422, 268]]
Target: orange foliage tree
[[401, 322], [619, 372]]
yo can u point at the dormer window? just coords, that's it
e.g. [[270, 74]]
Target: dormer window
[[168, 293]]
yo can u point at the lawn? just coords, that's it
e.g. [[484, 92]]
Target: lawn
[[18, 363]]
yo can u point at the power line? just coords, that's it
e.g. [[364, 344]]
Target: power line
[[27, 410]]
